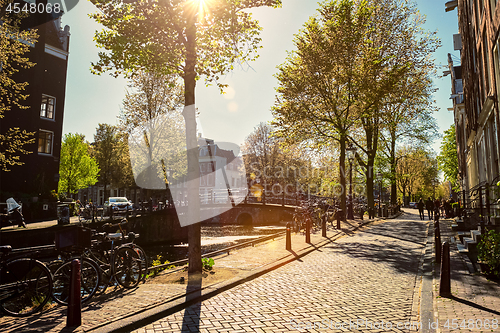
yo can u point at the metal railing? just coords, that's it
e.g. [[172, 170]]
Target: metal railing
[[222, 251]]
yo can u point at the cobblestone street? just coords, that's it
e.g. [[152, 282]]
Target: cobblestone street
[[364, 282]]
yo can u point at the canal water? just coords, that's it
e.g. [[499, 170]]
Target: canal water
[[213, 238]]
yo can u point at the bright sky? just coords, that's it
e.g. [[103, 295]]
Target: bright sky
[[92, 99]]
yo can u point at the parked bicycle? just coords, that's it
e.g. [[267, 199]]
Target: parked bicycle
[[25, 284], [89, 277], [120, 263], [88, 212], [129, 238]]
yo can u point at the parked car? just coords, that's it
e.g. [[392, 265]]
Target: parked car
[[413, 205], [119, 205]]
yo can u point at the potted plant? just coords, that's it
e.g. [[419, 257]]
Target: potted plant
[[489, 253]]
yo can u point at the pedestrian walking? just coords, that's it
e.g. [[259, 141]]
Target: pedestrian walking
[[429, 205], [420, 206], [437, 207]]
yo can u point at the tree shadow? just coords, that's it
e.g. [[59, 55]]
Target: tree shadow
[[191, 319], [399, 245]]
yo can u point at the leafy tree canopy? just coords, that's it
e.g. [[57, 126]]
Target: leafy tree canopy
[[77, 169], [448, 157], [14, 47], [155, 35]]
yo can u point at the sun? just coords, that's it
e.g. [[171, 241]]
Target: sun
[[203, 8]]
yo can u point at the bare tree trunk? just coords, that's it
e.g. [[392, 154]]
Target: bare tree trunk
[[343, 206], [394, 193], [189, 113]]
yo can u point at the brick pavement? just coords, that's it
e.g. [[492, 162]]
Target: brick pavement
[[474, 299], [366, 278], [120, 304]]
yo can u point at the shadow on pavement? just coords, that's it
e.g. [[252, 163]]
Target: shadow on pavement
[[191, 320], [472, 304], [382, 243], [295, 255]]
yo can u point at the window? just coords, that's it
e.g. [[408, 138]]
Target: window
[[48, 107], [45, 142]]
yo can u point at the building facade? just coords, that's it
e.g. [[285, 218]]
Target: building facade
[[475, 91], [47, 87]]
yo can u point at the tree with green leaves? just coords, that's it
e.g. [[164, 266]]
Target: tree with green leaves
[[319, 83], [14, 47], [403, 50], [187, 38], [407, 118], [77, 169], [153, 105], [267, 159], [416, 172], [448, 157], [106, 152]]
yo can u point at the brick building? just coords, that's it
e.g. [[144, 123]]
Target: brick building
[[46, 89], [475, 91]]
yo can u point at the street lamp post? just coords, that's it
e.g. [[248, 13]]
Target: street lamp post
[[350, 151]]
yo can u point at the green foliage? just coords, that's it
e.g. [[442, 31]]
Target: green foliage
[[448, 157], [111, 153], [14, 48], [158, 262], [153, 105], [416, 172], [489, 251], [76, 169], [158, 36], [207, 263], [12, 146]]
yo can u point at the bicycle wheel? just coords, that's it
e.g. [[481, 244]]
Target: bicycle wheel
[[143, 259], [54, 265], [25, 287], [102, 260], [127, 267], [89, 281]]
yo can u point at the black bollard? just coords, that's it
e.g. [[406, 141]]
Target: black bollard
[[308, 231], [437, 244], [288, 237], [339, 217], [444, 283], [323, 227], [74, 317]]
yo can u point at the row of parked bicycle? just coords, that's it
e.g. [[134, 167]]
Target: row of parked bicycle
[[317, 210], [27, 284]]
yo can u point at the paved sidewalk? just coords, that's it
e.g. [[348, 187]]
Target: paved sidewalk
[[365, 282], [121, 307], [475, 302]]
